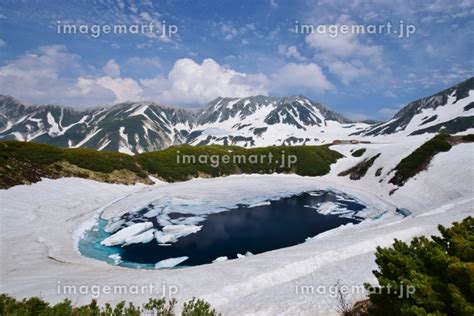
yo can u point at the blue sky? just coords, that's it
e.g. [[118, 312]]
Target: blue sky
[[235, 48]]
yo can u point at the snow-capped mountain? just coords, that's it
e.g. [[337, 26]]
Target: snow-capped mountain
[[265, 121], [126, 127], [135, 127], [451, 110]]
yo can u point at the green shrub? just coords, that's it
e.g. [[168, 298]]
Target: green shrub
[[359, 152], [42, 154], [468, 138], [160, 307], [198, 307], [440, 270]]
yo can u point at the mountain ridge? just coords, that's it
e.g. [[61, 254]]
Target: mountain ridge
[[254, 121]]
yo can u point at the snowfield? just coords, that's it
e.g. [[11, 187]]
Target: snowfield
[[41, 223]]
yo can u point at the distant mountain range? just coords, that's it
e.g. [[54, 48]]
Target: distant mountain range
[[135, 127]]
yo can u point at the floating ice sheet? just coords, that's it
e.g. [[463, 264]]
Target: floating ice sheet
[[170, 263], [221, 259], [121, 236], [142, 238]]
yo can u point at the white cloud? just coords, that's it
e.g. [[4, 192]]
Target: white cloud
[[343, 45], [190, 82], [346, 56], [348, 71], [293, 76], [124, 89], [2, 43], [112, 68], [38, 77], [230, 32], [273, 4], [290, 52], [53, 75]]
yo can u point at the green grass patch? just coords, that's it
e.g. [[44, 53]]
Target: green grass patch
[[183, 162], [28, 162], [42, 154]]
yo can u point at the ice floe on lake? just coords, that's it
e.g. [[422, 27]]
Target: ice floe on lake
[[247, 254], [121, 236], [142, 238], [221, 259], [170, 263], [264, 203], [116, 257], [171, 233]]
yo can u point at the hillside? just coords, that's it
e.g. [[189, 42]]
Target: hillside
[[450, 111], [28, 162], [419, 159]]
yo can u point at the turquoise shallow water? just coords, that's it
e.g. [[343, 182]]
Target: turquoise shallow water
[[90, 246]]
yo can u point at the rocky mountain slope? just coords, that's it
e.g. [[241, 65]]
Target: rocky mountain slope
[[126, 127], [451, 111]]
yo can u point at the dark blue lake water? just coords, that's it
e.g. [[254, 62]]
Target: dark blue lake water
[[283, 223]]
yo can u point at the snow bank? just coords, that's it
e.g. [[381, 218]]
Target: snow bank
[[262, 284]]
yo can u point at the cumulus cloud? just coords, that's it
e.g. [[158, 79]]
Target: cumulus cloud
[[123, 89], [40, 77], [112, 68], [190, 82], [53, 75]]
